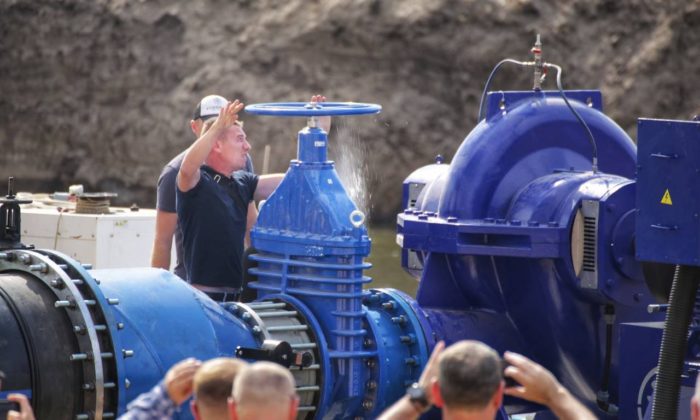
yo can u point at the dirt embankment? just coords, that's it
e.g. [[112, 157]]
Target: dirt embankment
[[99, 92]]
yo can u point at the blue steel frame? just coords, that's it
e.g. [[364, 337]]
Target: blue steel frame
[[668, 164]]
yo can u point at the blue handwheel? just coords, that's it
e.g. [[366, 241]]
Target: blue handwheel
[[307, 109]]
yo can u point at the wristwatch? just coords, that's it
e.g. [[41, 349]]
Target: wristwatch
[[418, 397]]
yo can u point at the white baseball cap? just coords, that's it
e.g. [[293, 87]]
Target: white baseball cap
[[209, 107]]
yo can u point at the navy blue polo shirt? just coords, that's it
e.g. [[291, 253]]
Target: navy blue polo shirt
[[213, 218], [167, 186]]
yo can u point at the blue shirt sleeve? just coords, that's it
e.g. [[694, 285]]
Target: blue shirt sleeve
[[248, 183], [167, 184], [166, 191], [152, 405]]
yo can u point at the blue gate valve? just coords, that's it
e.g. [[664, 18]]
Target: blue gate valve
[[312, 240]]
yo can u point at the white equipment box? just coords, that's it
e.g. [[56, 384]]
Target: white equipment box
[[120, 239]]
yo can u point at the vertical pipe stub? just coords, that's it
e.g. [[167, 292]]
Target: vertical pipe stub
[[11, 219], [539, 71]]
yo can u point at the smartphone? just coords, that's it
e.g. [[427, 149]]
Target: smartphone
[[510, 382], [6, 406]]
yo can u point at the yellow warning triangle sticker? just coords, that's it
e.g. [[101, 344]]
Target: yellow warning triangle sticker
[[666, 199]]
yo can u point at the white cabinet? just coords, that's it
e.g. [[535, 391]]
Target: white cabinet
[[121, 239]]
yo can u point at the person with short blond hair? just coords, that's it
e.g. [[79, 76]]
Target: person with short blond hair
[[212, 386], [263, 390]]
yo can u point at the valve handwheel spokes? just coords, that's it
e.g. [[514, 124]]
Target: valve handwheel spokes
[[312, 109]]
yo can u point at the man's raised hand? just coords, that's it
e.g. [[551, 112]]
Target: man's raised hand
[[228, 115]]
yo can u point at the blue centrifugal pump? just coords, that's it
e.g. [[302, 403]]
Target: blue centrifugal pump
[[529, 240]]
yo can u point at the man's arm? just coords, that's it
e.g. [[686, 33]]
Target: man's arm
[[252, 218], [162, 400], [162, 244], [188, 177], [404, 409], [539, 385], [266, 185]]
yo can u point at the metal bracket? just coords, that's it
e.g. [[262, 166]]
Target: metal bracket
[[276, 351]]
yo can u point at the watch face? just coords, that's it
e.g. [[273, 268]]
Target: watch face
[[416, 393]]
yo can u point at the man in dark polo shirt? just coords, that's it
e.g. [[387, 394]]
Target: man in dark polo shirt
[[166, 211], [212, 205]]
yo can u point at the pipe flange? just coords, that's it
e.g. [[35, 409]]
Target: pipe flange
[[278, 320], [75, 293], [397, 334]]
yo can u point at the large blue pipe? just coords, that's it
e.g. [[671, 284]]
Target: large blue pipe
[[116, 332]]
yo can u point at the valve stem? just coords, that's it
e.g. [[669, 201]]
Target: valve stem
[[312, 122]]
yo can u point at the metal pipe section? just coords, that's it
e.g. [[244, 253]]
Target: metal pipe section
[[37, 346], [83, 343]]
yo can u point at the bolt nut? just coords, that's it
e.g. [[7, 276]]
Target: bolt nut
[[408, 339], [232, 308]]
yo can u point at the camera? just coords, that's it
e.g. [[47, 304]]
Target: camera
[[6, 406]]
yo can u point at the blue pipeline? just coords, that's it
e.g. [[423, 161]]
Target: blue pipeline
[[151, 338]]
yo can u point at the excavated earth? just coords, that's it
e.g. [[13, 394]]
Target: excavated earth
[[100, 92]]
